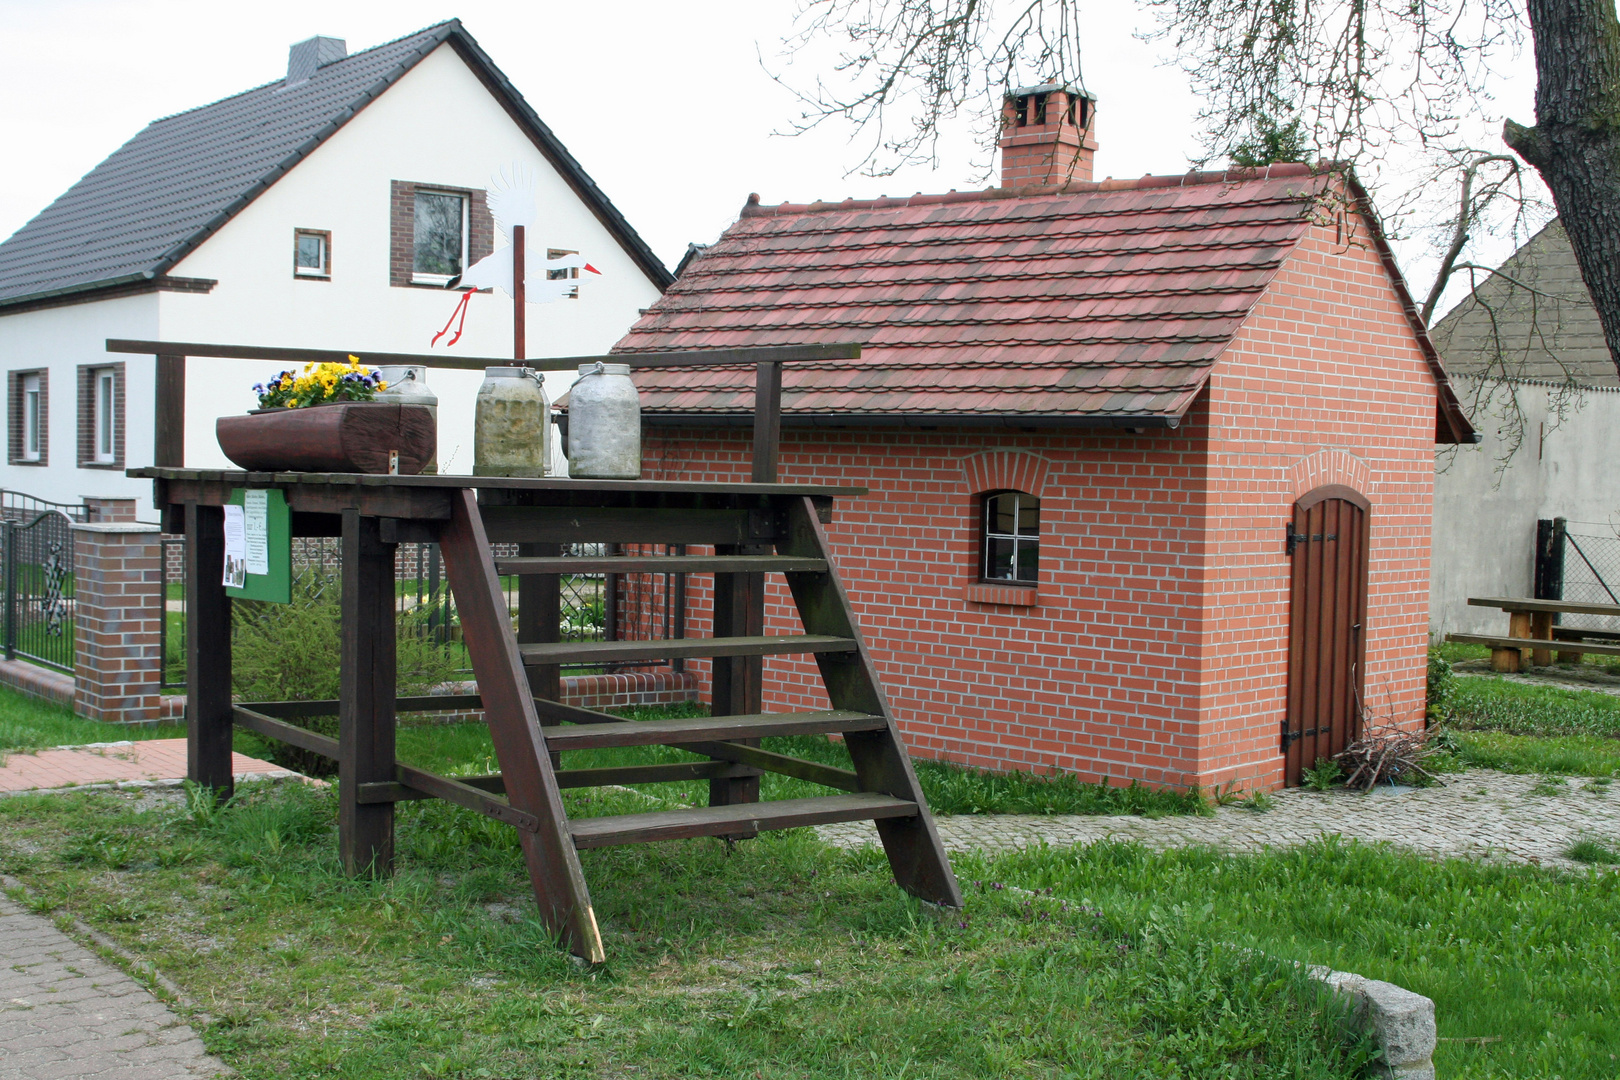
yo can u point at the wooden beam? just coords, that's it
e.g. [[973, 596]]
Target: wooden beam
[[250, 717], [783, 354], [604, 652], [366, 704], [737, 819], [767, 421], [169, 413], [208, 652], [660, 564]]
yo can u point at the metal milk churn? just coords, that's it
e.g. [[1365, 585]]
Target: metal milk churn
[[604, 424], [511, 424], [408, 386]]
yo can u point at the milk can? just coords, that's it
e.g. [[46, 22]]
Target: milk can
[[408, 386], [604, 424], [512, 424]]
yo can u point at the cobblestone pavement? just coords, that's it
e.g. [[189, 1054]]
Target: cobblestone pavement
[[101, 763], [1478, 814], [66, 1013]]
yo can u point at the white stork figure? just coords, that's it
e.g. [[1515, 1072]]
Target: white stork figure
[[511, 204]]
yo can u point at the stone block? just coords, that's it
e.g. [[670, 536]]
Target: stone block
[[1400, 1022]]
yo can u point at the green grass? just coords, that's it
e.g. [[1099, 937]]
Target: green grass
[[1595, 851], [29, 724], [780, 958], [1573, 755], [1482, 704], [1515, 954]]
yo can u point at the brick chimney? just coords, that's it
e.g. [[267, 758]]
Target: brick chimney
[[308, 57], [1048, 135]]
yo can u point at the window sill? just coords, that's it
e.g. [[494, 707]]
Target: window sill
[[313, 277], [1008, 595], [25, 461], [101, 465], [435, 281]]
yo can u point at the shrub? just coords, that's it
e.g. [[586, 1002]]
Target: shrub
[[290, 652], [1442, 685]]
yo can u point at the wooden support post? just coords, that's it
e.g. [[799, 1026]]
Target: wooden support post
[[514, 727], [767, 422], [520, 330], [366, 703], [736, 685], [539, 621], [1541, 624], [169, 412], [1518, 626], [208, 652]]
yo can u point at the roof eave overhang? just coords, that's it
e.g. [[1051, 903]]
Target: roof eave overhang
[[1160, 421], [108, 288]]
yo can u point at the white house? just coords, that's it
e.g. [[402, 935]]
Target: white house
[[323, 210]]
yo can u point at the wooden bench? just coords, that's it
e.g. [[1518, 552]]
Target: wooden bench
[[1530, 626]]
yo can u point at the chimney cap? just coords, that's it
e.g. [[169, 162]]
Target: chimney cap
[[1046, 88], [309, 56]]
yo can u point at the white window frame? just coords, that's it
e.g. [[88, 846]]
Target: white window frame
[[104, 415], [324, 270], [33, 440], [441, 280]]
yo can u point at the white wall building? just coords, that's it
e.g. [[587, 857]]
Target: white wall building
[[324, 210]]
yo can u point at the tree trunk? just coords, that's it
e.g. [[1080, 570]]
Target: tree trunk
[[1575, 144]]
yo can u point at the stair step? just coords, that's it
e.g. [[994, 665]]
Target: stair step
[[697, 729], [735, 818], [660, 564], [607, 652]]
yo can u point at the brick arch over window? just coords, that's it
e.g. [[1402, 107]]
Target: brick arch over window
[[1005, 470], [1329, 467]]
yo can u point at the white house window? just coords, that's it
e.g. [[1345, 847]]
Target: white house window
[[568, 273], [439, 251], [106, 416], [312, 253], [33, 417], [1012, 525]]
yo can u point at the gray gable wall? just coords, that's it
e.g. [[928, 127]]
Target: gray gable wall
[[1501, 329], [173, 185]]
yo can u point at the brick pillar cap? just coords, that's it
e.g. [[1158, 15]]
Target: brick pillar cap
[[115, 527]]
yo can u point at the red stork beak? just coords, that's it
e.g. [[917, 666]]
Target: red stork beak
[[593, 269]]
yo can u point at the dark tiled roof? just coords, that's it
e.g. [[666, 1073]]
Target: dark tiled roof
[[1503, 329], [170, 187], [1108, 300]]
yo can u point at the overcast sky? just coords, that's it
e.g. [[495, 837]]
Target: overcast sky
[[665, 104]]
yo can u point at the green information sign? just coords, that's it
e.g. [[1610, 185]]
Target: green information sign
[[258, 546]]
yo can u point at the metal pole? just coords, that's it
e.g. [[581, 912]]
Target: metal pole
[[11, 590]]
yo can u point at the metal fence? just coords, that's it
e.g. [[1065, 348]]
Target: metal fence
[[1579, 561], [36, 567]]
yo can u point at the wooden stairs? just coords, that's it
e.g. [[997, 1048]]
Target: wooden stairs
[[530, 729]]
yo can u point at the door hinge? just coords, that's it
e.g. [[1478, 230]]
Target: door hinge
[[1293, 539]]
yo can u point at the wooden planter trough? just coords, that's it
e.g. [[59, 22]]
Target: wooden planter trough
[[349, 437]]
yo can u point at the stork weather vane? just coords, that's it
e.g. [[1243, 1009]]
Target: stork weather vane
[[511, 204]]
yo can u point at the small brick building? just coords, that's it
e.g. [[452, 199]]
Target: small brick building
[[1151, 462]]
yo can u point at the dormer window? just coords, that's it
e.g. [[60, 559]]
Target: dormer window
[[439, 248], [312, 254]]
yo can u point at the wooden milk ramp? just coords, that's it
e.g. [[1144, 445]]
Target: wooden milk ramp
[[529, 730]]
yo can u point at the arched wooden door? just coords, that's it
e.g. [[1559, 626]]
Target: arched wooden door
[[1327, 618]]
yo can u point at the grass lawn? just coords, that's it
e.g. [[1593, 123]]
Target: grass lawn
[[780, 958], [1519, 727], [29, 724]]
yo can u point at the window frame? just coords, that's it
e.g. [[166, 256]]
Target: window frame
[[102, 424], [311, 273], [987, 534], [20, 427], [419, 277]]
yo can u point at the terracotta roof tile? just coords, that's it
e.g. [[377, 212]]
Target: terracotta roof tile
[[1111, 299]]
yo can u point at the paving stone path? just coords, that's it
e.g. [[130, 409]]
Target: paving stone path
[[66, 1013], [1479, 814], [104, 763]]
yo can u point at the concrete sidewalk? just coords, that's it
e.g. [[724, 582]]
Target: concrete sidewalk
[[104, 763]]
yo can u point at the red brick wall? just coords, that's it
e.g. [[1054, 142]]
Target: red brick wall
[[1325, 385], [1156, 648]]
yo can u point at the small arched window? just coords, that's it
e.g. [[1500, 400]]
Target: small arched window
[[1011, 527]]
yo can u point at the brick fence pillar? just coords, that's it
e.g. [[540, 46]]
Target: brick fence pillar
[[117, 608], [101, 508]]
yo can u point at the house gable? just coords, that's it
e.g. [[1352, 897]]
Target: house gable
[[162, 194]]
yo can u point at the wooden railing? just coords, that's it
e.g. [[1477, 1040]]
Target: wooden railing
[[170, 411]]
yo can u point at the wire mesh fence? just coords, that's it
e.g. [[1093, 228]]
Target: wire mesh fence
[[1591, 573]]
